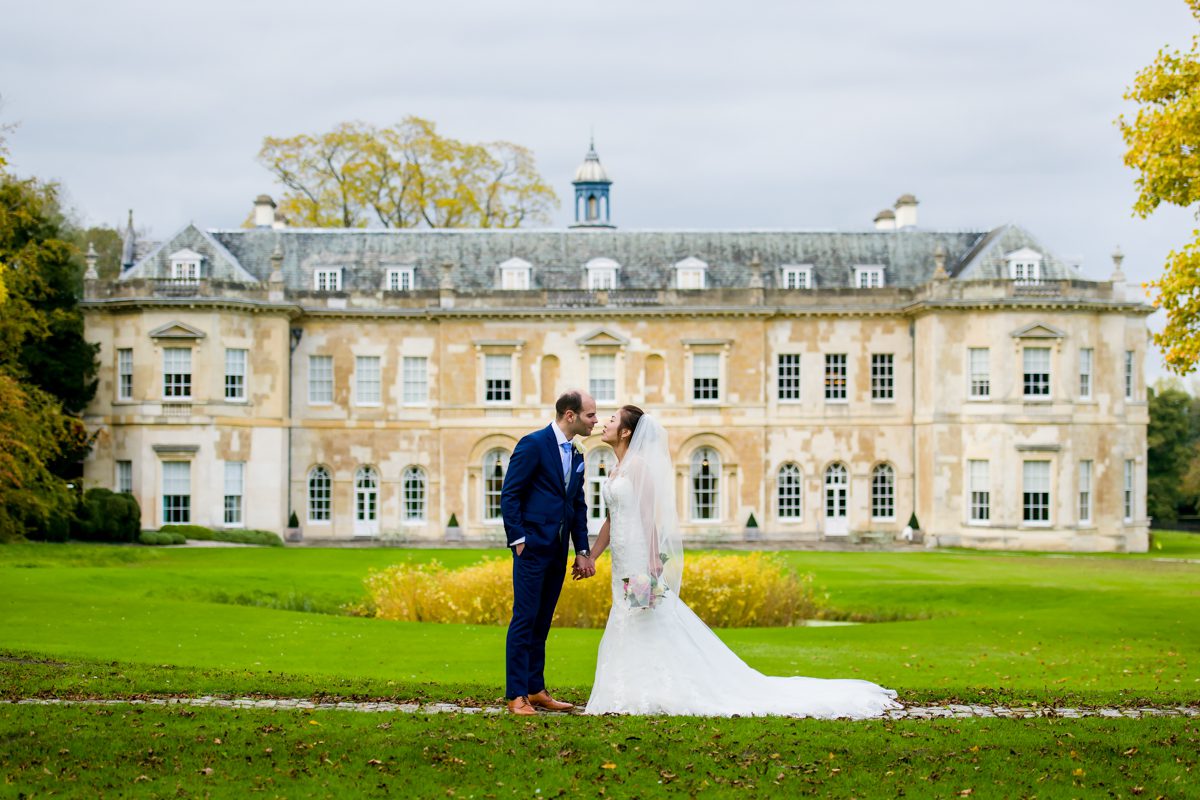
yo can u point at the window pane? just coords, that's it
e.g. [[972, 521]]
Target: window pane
[[366, 380], [125, 477], [177, 492], [177, 372], [497, 378], [789, 376], [234, 476], [235, 374], [1036, 491], [706, 372], [883, 492], [705, 475], [790, 492], [882, 380], [980, 491], [1085, 491], [125, 374], [416, 379], [981, 384], [1128, 374], [1037, 371], [320, 379], [602, 381], [414, 494], [320, 494], [835, 376], [1128, 493], [495, 464], [1085, 373]]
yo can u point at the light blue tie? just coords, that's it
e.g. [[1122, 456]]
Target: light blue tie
[[566, 448]]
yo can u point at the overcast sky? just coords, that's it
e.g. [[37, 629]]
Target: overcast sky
[[790, 114]]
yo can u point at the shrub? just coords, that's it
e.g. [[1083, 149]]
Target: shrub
[[453, 523], [217, 535], [107, 516], [293, 520], [912, 522], [726, 591]]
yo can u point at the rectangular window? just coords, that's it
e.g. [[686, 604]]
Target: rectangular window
[[1085, 492], [980, 372], [416, 380], [689, 279], [1035, 480], [125, 374], [366, 380], [320, 379], [235, 374], [1085, 373], [979, 483], [883, 382], [177, 372], [797, 278], [1128, 374], [789, 376], [514, 279], [497, 379], [177, 492], [835, 377], [125, 477], [400, 280], [327, 280], [706, 377], [1037, 372], [868, 277], [185, 271], [602, 279], [1128, 494], [602, 378], [235, 473]]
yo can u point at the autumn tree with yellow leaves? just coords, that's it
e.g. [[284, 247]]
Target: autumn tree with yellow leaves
[[1163, 142], [404, 176]]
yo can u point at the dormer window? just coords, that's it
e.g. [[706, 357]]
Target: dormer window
[[691, 273], [185, 266], [797, 277], [601, 274], [1025, 265], [400, 279], [515, 274], [870, 277], [328, 279]]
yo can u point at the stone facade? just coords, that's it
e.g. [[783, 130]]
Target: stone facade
[[826, 410]]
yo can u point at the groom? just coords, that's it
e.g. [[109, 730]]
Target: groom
[[543, 506]]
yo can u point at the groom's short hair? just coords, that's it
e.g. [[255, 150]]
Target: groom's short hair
[[569, 401]]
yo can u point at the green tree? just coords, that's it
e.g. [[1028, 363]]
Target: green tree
[[404, 176], [1163, 146], [1171, 447]]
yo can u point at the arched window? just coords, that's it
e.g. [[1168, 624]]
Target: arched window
[[705, 484], [366, 501], [837, 487], [413, 483], [789, 489], [495, 464], [599, 463], [883, 492], [320, 494]]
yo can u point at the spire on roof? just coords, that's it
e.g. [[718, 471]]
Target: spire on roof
[[127, 255]]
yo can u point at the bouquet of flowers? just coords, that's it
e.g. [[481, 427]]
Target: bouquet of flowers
[[645, 590]]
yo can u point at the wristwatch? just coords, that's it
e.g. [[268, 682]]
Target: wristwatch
[[584, 553]]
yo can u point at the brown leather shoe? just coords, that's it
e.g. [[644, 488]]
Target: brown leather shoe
[[543, 699], [521, 707]]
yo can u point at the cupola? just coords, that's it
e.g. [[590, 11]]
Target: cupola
[[591, 193]]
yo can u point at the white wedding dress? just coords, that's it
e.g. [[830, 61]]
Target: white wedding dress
[[665, 660]]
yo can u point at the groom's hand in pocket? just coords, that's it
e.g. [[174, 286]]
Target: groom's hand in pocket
[[519, 548]]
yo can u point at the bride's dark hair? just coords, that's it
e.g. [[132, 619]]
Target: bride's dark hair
[[630, 415]]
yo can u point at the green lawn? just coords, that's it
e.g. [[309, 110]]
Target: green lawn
[[94, 621]]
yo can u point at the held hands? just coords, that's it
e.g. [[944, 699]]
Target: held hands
[[583, 567]]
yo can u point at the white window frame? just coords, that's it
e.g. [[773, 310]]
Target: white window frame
[[789, 493], [1030, 371], [602, 377], [600, 462], [837, 378], [979, 492], [793, 276], [176, 495], [883, 493], [883, 377], [691, 274], [1127, 492], [125, 373], [124, 478], [327, 279], [414, 488], [400, 279], [1035, 486], [704, 486], [318, 495], [788, 386], [601, 274], [368, 381], [1087, 358], [237, 362], [1025, 266], [415, 380], [1084, 509], [320, 380], [516, 275], [177, 373], [235, 491], [868, 277], [498, 379], [1130, 382], [709, 392], [979, 373], [186, 266], [493, 485]]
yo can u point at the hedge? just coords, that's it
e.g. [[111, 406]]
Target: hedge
[[225, 535]]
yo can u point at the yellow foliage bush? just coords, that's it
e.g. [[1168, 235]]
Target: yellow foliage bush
[[726, 591]]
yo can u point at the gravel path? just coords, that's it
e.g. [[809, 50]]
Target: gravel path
[[950, 711]]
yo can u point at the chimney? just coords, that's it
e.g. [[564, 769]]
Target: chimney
[[885, 220], [264, 212], [906, 211]]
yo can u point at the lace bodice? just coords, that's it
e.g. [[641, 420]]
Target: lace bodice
[[627, 541]]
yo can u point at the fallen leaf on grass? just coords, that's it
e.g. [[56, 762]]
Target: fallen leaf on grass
[[1079, 773], [608, 765], [374, 762], [206, 771], [966, 793], [141, 778]]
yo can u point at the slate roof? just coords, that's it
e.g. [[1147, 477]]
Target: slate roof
[[558, 256]]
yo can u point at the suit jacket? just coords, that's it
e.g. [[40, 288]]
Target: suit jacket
[[535, 502]]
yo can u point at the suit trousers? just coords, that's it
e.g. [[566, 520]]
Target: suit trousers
[[537, 582]]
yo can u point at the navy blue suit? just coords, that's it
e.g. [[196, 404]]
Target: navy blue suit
[[539, 505]]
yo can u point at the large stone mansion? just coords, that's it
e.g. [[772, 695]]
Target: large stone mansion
[[828, 383]]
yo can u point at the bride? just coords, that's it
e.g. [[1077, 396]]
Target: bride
[[657, 656]]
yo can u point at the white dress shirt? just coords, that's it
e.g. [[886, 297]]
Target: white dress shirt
[[564, 455]]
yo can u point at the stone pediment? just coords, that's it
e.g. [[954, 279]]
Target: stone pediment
[[1038, 330], [602, 337], [176, 330]]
